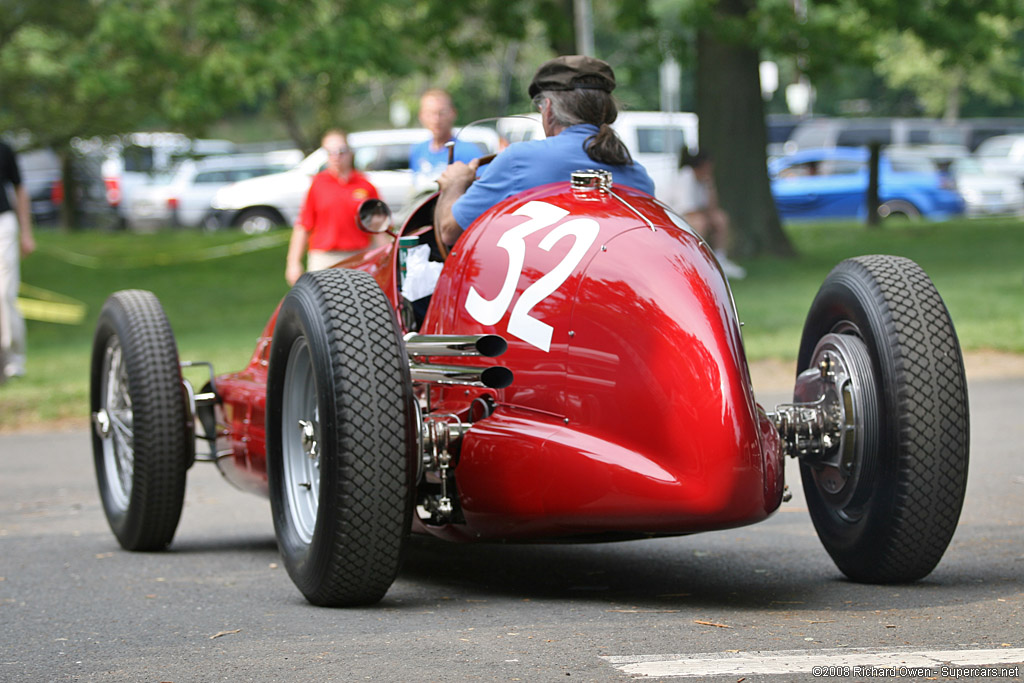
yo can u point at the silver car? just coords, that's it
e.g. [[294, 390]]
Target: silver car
[[182, 197]]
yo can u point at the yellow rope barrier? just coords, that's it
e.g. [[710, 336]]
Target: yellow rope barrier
[[43, 305], [268, 241], [49, 307]]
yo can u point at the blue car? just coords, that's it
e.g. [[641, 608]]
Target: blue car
[[833, 183]]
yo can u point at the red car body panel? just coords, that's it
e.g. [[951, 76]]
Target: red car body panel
[[632, 410]]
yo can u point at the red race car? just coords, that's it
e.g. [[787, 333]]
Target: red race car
[[577, 375]]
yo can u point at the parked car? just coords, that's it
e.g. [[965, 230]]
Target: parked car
[[1003, 154], [42, 174], [579, 376], [778, 129], [857, 131], [134, 160], [183, 196], [985, 193], [259, 204], [833, 183]]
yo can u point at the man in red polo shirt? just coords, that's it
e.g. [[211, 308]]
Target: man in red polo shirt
[[327, 223]]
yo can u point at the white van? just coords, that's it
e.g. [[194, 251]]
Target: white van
[[654, 139]]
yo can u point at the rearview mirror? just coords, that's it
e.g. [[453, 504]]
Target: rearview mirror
[[374, 216]]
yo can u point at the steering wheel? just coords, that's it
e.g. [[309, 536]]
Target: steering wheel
[[442, 248]]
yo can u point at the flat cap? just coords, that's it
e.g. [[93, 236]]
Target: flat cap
[[571, 72]]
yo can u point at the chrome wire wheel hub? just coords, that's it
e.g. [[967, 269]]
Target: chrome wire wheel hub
[[300, 421], [845, 392], [113, 422]]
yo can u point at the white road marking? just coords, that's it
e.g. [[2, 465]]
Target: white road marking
[[834, 662]]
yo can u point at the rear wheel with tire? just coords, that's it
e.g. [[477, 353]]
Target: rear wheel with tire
[[140, 431], [340, 438], [886, 509], [258, 221]]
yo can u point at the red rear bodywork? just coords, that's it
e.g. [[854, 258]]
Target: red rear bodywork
[[631, 412]]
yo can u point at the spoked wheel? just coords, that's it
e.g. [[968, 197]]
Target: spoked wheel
[[340, 438], [140, 433], [880, 352]]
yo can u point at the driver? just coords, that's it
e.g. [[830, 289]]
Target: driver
[[573, 95]]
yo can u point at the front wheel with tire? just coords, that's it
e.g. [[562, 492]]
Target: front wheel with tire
[[340, 438], [140, 432], [886, 508]]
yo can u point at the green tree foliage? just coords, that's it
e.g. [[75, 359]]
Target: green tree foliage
[[964, 47], [83, 68], [941, 83], [300, 58], [323, 63], [50, 77]]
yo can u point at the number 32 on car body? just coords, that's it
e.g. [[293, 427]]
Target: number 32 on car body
[[521, 324]]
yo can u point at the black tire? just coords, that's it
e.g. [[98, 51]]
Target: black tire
[[140, 430], [908, 488], [338, 369], [899, 208], [258, 221]]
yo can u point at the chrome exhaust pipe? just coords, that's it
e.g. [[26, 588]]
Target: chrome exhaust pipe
[[495, 377], [487, 345]]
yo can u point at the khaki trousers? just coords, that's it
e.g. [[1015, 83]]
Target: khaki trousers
[[321, 260], [12, 325]]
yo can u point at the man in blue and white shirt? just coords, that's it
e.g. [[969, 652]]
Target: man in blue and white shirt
[[429, 158]]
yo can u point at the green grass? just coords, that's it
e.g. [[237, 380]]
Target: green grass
[[218, 306], [977, 266]]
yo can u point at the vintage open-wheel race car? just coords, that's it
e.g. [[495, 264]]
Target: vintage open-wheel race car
[[578, 375]]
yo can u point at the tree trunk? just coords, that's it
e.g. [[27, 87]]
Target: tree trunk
[[560, 20], [732, 130], [952, 110], [69, 205], [286, 110]]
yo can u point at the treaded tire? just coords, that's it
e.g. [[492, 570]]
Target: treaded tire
[[337, 364], [910, 500], [140, 432]]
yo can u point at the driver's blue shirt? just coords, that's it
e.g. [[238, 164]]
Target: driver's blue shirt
[[525, 165]]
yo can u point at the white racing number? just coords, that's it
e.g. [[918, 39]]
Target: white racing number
[[521, 324]]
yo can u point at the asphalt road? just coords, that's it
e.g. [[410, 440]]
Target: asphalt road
[[219, 607]]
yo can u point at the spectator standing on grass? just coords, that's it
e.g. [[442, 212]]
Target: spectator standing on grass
[[16, 242], [326, 231], [692, 194], [429, 158]]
